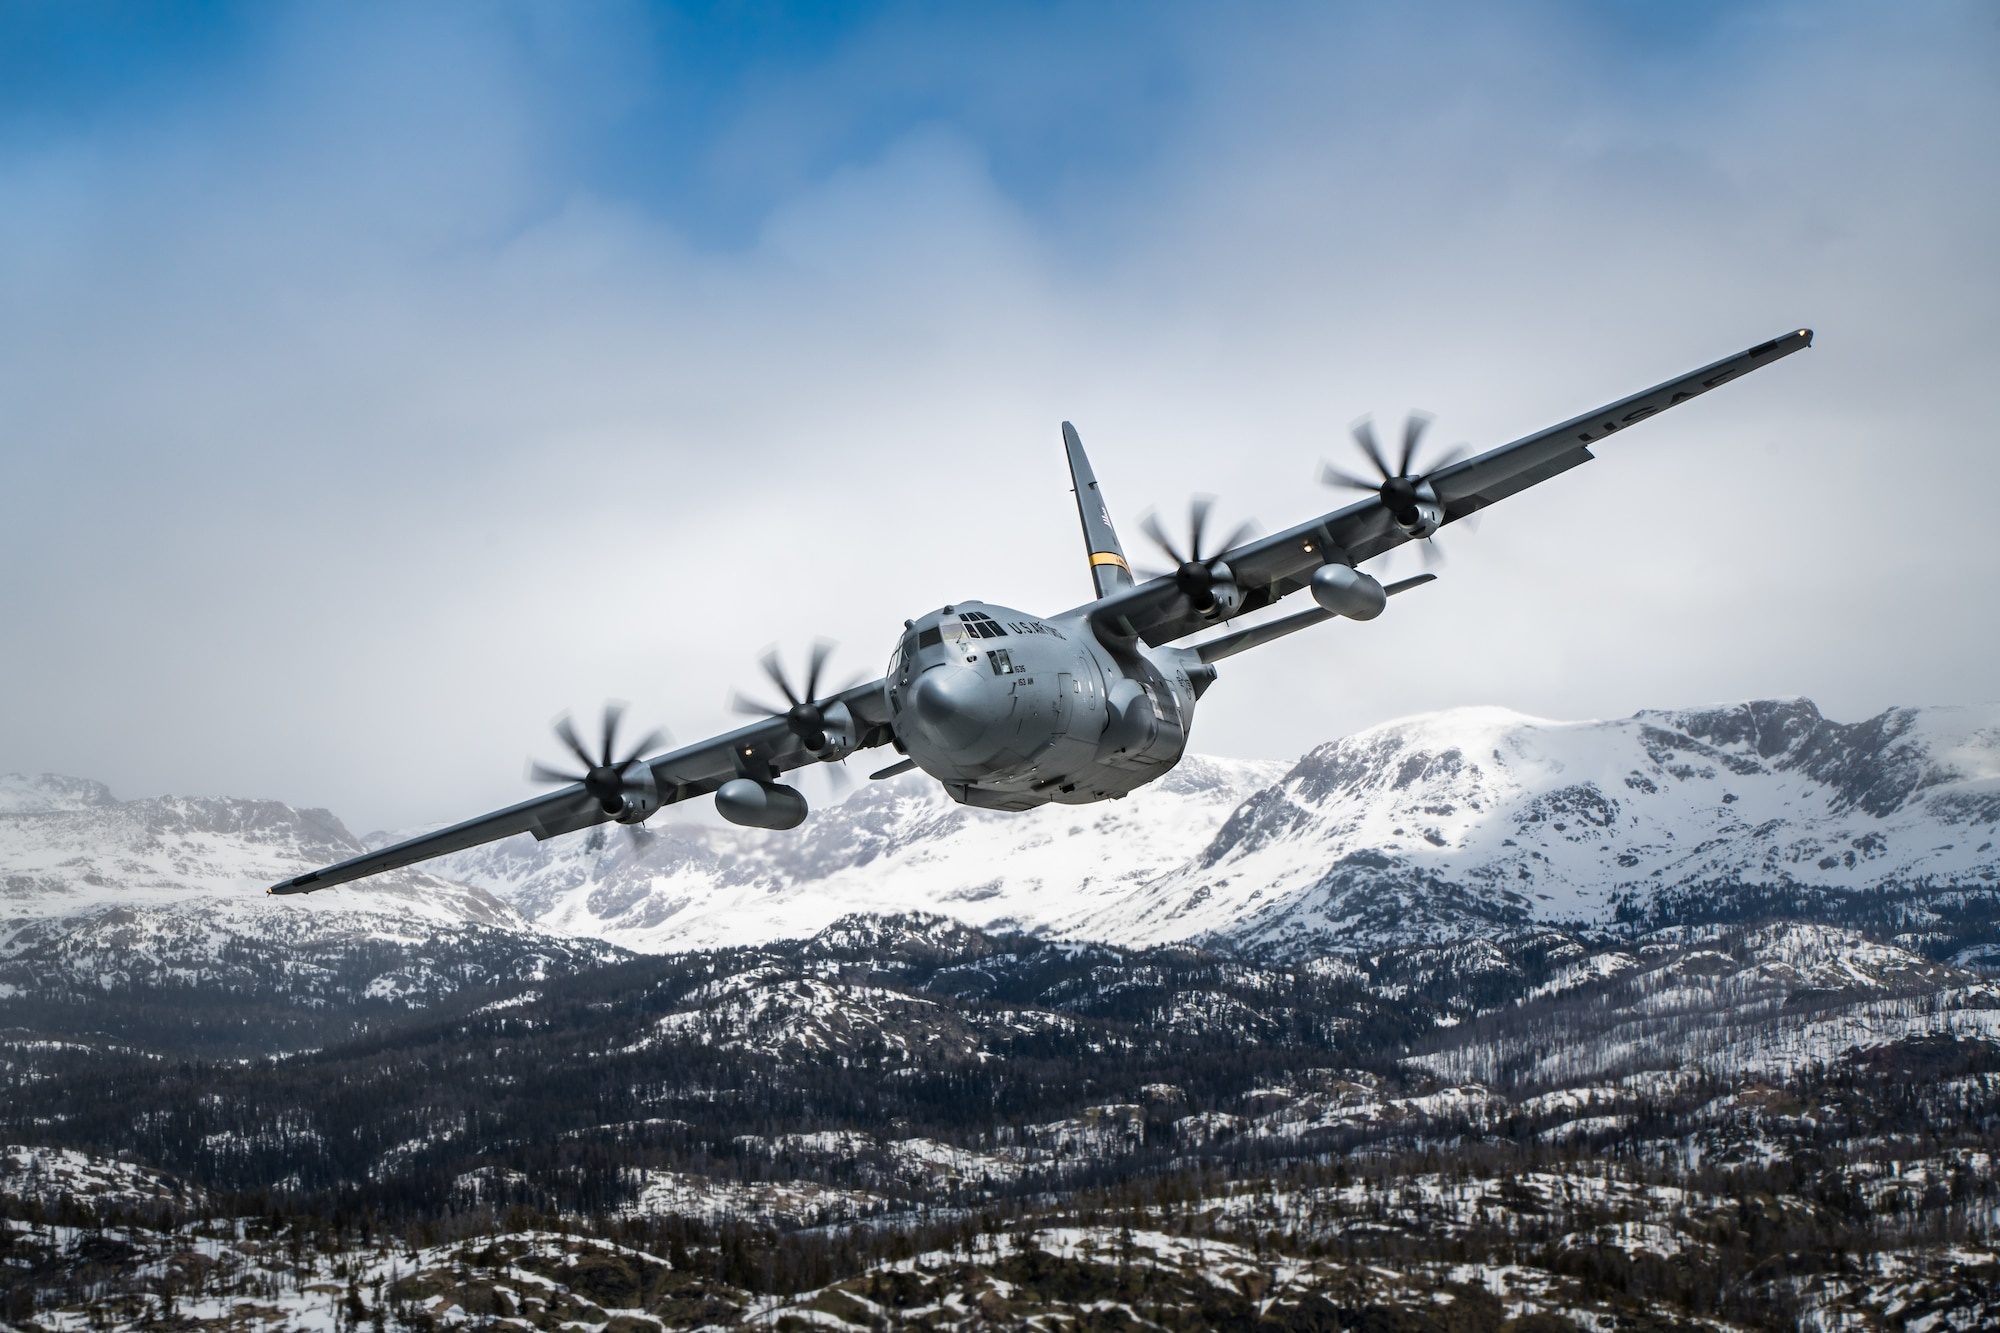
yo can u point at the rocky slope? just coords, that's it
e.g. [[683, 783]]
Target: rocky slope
[[156, 910], [1472, 820], [67, 847]]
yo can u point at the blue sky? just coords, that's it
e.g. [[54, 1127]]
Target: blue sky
[[378, 380], [710, 116]]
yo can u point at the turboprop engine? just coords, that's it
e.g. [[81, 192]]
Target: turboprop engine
[[824, 725], [623, 788], [1205, 580], [1406, 492], [1414, 507]]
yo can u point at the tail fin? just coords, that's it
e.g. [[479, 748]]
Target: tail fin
[[1108, 569]]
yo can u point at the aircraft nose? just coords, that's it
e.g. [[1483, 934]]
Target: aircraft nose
[[950, 703]]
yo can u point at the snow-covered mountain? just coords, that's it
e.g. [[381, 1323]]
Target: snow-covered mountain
[[899, 845], [1438, 827], [1435, 827], [67, 846], [136, 901], [1478, 819]]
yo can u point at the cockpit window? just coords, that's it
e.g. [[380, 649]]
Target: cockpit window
[[930, 637], [1003, 662], [983, 626]]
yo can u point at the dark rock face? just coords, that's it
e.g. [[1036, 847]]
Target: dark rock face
[[1876, 766], [910, 939]]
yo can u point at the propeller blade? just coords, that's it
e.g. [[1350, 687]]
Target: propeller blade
[[1198, 510], [753, 707], [1242, 533], [822, 649], [1364, 435], [538, 773], [566, 732], [1329, 475], [641, 836], [1433, 553], [839, 779], [614, 713], [1446, 459], [777, 675], [651, 739], [1414, 426], [595, 842], [1149, 523]]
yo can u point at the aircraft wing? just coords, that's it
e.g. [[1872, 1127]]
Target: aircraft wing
[[763, 749], [1278, 565]]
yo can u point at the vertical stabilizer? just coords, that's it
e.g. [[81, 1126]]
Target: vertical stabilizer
[[1108, 569]]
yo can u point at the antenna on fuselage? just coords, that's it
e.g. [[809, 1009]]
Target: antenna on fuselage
[[1108, 571]]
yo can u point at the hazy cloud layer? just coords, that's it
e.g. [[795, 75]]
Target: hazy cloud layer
[[375, 383]]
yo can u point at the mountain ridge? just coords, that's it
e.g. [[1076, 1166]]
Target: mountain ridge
[[146, 921], [1446, 825], [1484, 818]]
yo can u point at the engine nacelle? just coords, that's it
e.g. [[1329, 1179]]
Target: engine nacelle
[[1226, 597], [1425, 515], [1348, 592], [838, 723], [637, 807], [640, 798], [756, 804]]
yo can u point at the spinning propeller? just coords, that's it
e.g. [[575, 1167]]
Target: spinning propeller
[[810, 716], [1405, 491], [1205, 580], [807, 713], [604, 776]]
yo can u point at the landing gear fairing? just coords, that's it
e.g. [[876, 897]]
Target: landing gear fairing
[[1010, 710]]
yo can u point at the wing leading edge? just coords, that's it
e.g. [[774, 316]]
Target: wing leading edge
[[762, 750], [1278, 565]]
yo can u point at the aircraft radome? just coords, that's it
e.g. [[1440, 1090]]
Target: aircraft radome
[[1011, 710]]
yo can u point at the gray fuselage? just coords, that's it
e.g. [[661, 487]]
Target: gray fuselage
[[1010, 711]]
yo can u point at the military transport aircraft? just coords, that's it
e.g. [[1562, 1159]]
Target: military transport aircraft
[[1010, 710]]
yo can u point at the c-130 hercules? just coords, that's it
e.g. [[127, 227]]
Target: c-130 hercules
[[1010, 711]]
